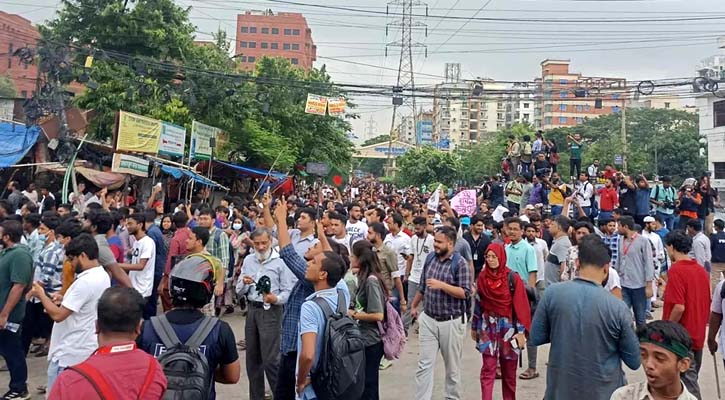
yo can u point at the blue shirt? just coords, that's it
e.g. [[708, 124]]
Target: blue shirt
[[160, 261], [312, 320], [521, 257], [591, 333], [643, 202], [300, 291]]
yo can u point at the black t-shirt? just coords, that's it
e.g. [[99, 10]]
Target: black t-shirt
[[540, 165], [478, 250], [627, 199], [496, 191]]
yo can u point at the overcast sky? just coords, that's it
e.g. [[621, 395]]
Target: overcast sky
[[508, 50]]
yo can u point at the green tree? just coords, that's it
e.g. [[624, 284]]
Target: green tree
[[7, 87], [426, 165]]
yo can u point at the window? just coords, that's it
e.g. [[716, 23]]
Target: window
[[579, 108], [245, 29], [286, 46], [10, 55], [547, 108], [243, 45], [562, 94], [264, 45], [274, 45], [579, 120], [252, 29], [615, 109], [252, 45], [563, 81], [294, 61], [499, 115], [667, 105], [295, 32], [586, 107], [265, 31], [719, 168], [718, 110], [562, 107], [526, 117], [24, 93], [288, 32], [251, 59], [275, 31], [526, 105], [295, 46], [615, 96], [547, 94], [547, 120], [562, 120], [243, 58]]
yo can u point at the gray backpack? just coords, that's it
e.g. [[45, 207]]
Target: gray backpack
[[187, 370]]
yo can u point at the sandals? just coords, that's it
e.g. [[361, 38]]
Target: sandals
[[529, 374], [242, 344]]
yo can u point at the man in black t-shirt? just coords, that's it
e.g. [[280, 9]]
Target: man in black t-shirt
[[479, 243], [627, 195]]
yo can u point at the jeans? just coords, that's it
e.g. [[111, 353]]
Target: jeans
[[373, 355], [637, 300], [689, 378], [556, 210], [152, 301], [54, 369], [11, 349], [285, 389], [407, 317], [604, 215], [668, 220]]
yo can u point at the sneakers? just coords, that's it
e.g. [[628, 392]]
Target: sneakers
[[12, 395], [385, 364]]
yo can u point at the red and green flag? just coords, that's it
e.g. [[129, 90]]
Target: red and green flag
[[337, 177]]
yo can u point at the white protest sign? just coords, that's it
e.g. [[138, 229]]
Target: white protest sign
[[465, 202], [435, 199]]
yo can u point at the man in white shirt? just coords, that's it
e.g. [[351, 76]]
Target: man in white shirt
[[542, 252], [421, 244], [143, 257], [585, 193], [399, 242], [74, 331], [339, 233], [356, 228]]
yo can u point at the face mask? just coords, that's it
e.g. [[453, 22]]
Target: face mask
[[42, 237], [488, 232], [237, 227]]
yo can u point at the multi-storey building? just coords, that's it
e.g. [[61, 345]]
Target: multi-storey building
[[567, 98], [416, 130], [712, 67], [17, 32], [263, 33]]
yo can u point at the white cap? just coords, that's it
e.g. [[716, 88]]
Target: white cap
[[648, 219]]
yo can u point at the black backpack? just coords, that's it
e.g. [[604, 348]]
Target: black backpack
[[340, 372], [232, 261], [186, 368]]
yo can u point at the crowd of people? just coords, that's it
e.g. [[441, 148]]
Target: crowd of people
[[579, 266]]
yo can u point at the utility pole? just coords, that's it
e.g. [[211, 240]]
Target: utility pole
[[624, 135], [406, 81]]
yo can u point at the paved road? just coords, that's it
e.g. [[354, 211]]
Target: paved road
[[398, 382]]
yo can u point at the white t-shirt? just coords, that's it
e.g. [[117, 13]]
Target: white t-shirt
[[143, 281], [400, 244], [357, 231], [74, 339], [345, 242], [542, 251], [717, 306], [420, 248], [613, 281]]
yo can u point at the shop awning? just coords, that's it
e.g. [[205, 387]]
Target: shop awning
[[16, 140], [180, 172], [242, 170]]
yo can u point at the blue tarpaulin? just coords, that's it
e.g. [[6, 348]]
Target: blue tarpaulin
[[179, 172], [257, 173], [16, 140]]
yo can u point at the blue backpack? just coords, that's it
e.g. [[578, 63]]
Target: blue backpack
[[454, 271]]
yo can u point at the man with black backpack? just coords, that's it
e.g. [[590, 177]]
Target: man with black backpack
[[218, 247], [194, 350]]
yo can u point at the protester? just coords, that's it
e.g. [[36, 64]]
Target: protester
[[97, 223], [143, 259], [399, 242], [355, 227], [635, 266], [74, 329], [218, 247], [710, 199], [689, 203], [687, 301], [153, 231], [339, 233], [717, 249], [389, 272], [608, 199], [585, 359], [664, 196], [478, 241], [501, 305], [177, 250], [16, 277], [575, 154], [128, 373], [701, 251], [421, 246], [663, 347], [446, 289], [556, 260]]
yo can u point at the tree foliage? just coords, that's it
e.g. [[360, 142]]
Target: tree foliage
[[425, 165], [146, 62], [7, 87]]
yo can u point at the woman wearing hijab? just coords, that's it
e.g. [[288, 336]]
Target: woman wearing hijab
[[499, 317]]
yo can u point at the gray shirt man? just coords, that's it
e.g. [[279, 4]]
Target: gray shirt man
[[635, 263]]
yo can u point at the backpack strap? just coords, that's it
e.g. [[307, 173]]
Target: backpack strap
[[512, 289], [149, 378], [96, 379], [326, 309], [201, 332], [165, 331]]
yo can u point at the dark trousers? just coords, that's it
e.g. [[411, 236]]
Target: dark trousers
[[373, 355], [262, 332], [286, 378], [575, 165], [11, 349], [37, 324], [152, 302], [689, 378]]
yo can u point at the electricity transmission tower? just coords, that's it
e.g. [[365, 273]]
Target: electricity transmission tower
[[406, 81], [370, 128]]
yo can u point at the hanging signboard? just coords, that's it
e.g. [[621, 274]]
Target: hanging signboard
[[173, 139], [137, 133], [336, 105], [127, 164], [316, 104], [201, 136]]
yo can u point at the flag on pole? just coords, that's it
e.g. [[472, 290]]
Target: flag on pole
[[435, 199], [337, 177]]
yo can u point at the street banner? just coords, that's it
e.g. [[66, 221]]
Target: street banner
[[435, 199], [173, 139], [127, 164], [137, 133], [336, 105], [201, 136], [316, 104], [465, 202]]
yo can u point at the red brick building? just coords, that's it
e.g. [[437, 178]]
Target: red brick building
[[274, 35], [17, 32]]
